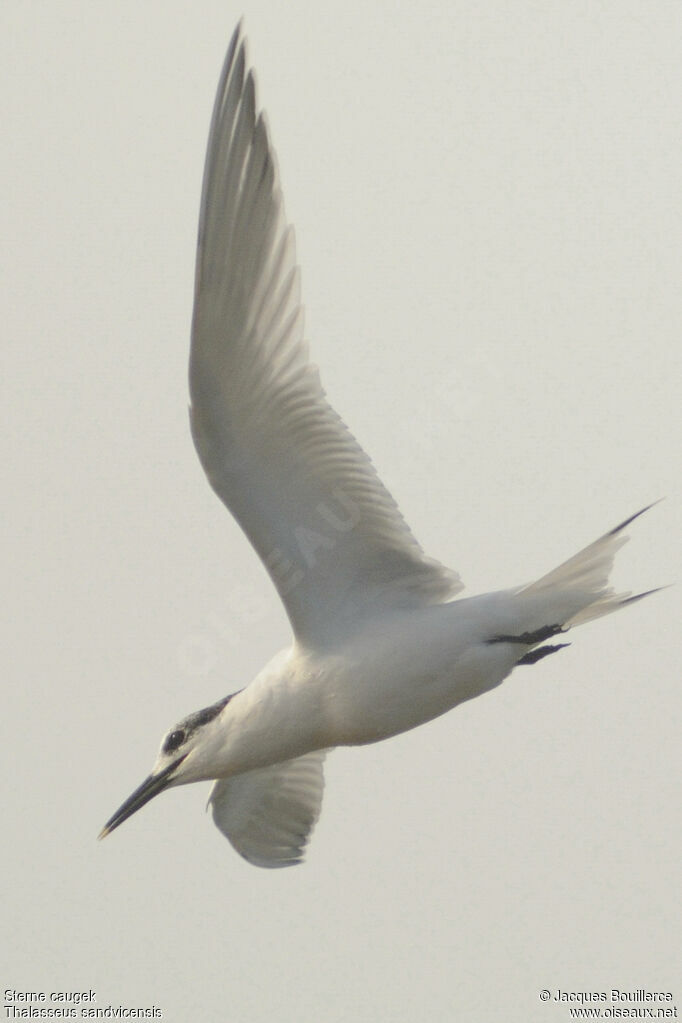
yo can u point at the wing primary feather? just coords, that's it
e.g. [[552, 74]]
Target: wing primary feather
[[268, 814], [272, 447]]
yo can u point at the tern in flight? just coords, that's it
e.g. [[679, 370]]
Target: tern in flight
[[379, 644]]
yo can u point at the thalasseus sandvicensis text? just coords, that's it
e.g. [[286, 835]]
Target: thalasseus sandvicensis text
[[380, 644]]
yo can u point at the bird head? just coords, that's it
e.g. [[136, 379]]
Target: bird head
[[185, 751]]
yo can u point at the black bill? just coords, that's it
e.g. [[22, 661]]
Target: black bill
[[149, 788]]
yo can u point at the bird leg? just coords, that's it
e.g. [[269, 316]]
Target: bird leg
[[531, 638], [533, 656]]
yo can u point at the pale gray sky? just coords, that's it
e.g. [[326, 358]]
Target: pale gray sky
[[487, 205]]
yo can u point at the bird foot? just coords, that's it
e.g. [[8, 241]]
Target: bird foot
[[533, 656], [531, 638]]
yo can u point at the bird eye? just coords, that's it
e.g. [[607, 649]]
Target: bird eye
[[174, 740]]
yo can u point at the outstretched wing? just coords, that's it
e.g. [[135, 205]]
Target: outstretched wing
[[269, 814], [274, 450]]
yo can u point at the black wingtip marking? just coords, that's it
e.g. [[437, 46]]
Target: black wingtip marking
[[235, 39]]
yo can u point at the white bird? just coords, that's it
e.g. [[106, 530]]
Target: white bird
[[379, 645]]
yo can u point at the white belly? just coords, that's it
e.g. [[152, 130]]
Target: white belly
[[409, 669], [403, 669]]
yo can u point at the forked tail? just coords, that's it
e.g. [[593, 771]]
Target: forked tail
[[578, 590]]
